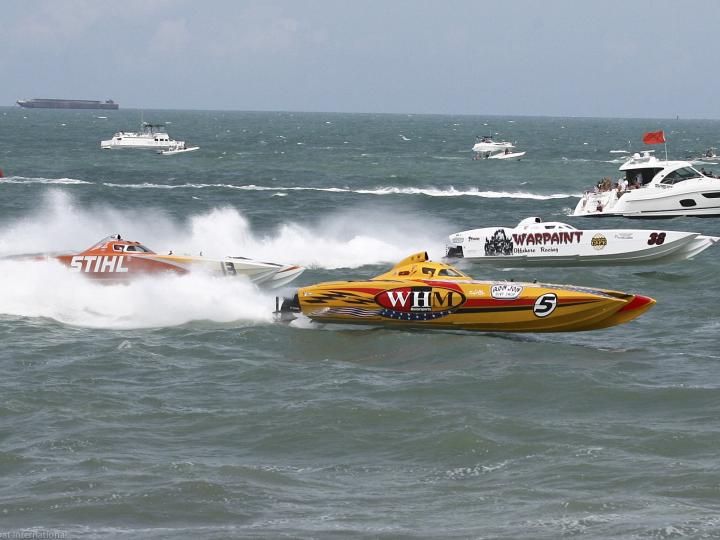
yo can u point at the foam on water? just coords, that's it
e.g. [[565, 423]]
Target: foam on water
[[389, 190], [347, 239], [48, 289], [29, 180]]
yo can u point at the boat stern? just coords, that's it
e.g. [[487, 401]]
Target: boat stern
[[596, 204], [454, 248]]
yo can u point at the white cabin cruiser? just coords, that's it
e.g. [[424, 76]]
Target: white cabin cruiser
[[150, 137], [486, 144], [537, 243], [654, 188], [486, 148]]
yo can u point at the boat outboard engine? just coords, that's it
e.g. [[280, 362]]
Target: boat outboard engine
[[454, 251], [286, 308]]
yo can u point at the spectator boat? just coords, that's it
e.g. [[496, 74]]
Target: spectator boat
[[654, 188]]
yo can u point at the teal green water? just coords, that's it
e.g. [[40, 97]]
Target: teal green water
[[175, 406]]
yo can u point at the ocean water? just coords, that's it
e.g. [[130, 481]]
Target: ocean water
[[175, 406]]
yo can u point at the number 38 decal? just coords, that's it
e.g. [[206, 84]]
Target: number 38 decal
[[656, 239], [545, 305]]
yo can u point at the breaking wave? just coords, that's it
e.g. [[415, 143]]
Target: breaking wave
[[30, 180], [430, 192], [347, 239]]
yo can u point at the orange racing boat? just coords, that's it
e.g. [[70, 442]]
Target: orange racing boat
[[114, 258], [418, 293]]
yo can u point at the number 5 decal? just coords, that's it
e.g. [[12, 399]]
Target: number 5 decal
[[545, 305]]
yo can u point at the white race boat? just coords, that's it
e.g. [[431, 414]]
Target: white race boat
[[115, 259], [150, 137], [537, 243], [654, 188]]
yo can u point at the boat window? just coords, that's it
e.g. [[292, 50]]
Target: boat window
[[645, 176], [680, 175], [137, 248], [449, 272], [117, 248], [549, 226], [429, 271]]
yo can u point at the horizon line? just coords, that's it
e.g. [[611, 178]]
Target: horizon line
[[494, 115]]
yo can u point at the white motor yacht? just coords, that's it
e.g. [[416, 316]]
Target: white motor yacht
[[150, 137], [536, 243], [486, 148], [653, 187]]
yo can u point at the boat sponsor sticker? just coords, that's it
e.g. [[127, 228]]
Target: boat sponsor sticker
[[502, 243], [457, 239], [506, 291], [598, 241], [97, 263], [475, 292], [624, 236], [557, 238], [545, 305], [419, 303]]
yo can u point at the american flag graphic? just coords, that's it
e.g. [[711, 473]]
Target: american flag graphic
[[419, 316], [355, 312]]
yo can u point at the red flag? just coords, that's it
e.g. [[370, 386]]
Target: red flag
[[654, 137]]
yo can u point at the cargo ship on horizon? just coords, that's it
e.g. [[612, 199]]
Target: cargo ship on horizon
[[108, 104]]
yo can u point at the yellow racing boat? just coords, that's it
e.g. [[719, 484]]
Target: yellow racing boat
[[419, 293]]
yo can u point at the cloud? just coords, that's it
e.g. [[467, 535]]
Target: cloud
[[171, 37], [50, 22]]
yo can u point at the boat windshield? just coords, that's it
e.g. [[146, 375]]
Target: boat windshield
[[450, 272], [137, 248], [102, 242], [680, 175]]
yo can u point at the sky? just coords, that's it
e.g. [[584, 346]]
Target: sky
[[604, 58]]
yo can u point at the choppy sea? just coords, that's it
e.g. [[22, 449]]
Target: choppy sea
[[175, 407]]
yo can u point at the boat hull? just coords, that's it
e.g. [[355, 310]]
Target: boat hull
[[699, 197], [515, 248], [171, 151], [67, 104], [468, 305], [509, 155], [125, 266], [130, 144]]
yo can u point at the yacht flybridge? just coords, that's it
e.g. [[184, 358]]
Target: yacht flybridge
[[150, 137], [653, 187]]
